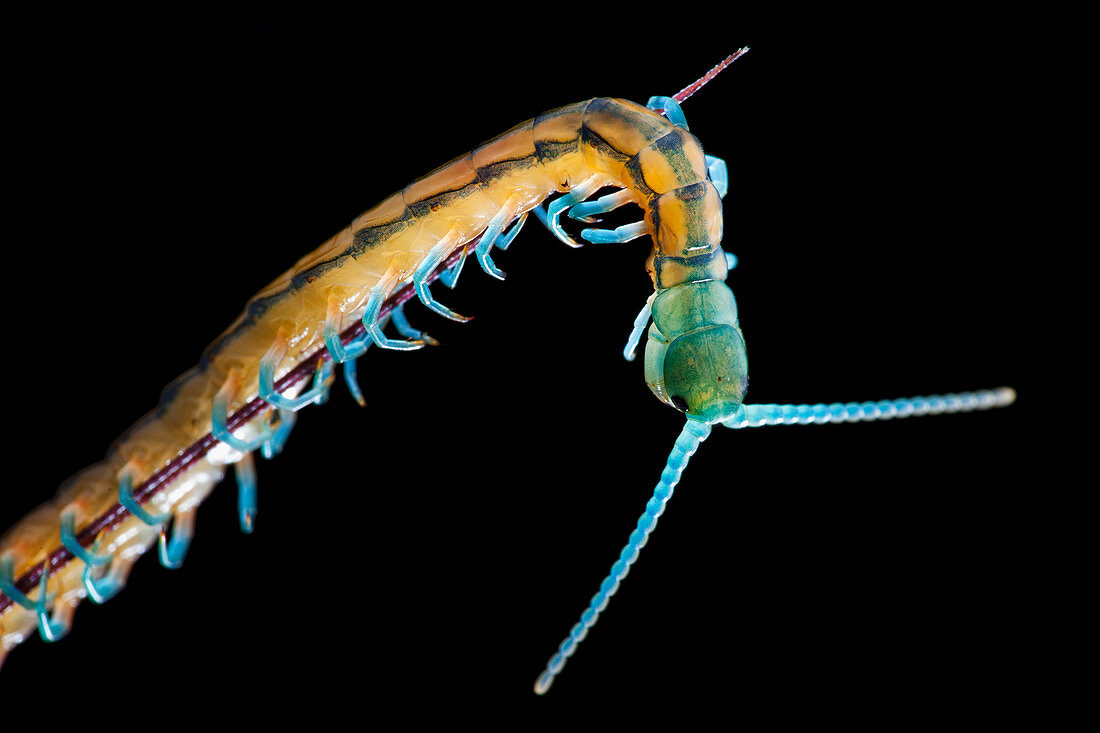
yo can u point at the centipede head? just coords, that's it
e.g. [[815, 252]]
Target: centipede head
[[695, 355]]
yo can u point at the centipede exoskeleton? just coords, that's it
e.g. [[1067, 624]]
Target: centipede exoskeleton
[[341, 305]]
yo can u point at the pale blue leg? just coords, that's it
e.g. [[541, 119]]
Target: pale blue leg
[[50, 629], [449, 277], [586, 210], [751, 416], [347, 356], [557, 206], [317, 393], [374, 329], [173, 551], [420, 283], [719, 176], [401, 323], [103, 589], [341, 352], [7, 583], [245, 471], [491, 237], [505, 240], [275, 446], [126, 499], [731, 261], [640, 322], [619, 235], [687, 443], [672, 110], [220, 429], [68, 539], [352, 380]]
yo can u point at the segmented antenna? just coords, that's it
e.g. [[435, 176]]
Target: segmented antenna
[[751, 416], [696, 85]]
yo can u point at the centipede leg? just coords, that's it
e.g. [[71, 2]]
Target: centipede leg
[[378, 295], [68, 539], [719, 176], [554, 210], [640, 322], [401, 323], [671, 108], [505, 240], [51, 627], [219, 418], [420, 281], [274, 447], [449, 277], [245, 472], [619, 235], [317, 393], [102, 589], [173, 550], [585, 210], [341, 353], [489, 238]]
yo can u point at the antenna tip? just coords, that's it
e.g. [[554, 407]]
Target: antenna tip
[[542, 684]]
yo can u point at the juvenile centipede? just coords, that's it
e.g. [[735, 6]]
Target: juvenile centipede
[[19, 570]]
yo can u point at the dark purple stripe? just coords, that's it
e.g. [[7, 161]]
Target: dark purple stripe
[[174, 468]]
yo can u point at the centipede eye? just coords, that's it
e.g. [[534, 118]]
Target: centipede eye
[[679, 403]]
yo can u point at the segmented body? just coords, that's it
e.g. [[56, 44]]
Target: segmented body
[[589, 145], [796, 253]]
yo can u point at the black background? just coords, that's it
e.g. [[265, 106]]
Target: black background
[[428, 553]]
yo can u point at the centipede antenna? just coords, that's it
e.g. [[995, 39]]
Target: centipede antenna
[[695, 86], [687, 443], [751, 416]]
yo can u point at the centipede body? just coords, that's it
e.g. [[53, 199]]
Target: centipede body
[[559, 311]]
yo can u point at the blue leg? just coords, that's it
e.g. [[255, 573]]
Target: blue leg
[[171, 552], [719, 176], [731, 261], [245, 471], [424, 271], [401, 323], [275, 446], [489, 240], [126, 499], [68, 539], [317, 393], [103, 589], [585, 210], [449, 277], [505, 239], [554, 210], [374, 330], [341, 352], [672, 110], [50, 629], [640, 322], [352, 380], [622, 234], [220, 429]]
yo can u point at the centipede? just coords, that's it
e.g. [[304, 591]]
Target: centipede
[[550, 361]]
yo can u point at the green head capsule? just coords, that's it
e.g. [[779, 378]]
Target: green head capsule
[[695, 355]]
